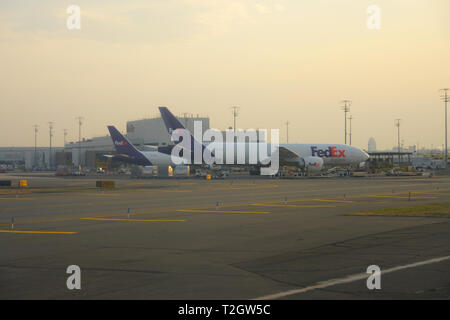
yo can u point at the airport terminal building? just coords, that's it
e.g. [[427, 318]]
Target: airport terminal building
[[153, 132], [27, 157], [142, 133], [89, 153]]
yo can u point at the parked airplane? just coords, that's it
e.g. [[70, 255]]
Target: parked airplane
[[127, 152], [311, 157]]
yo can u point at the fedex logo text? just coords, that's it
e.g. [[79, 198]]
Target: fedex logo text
[[120, 143], [331, 152]]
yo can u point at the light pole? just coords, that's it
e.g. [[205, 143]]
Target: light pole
[[235, 111], [80, 122], [445, 98], [350, 118], [65, 138], [346, 108], [287, 131], [50, 127], [35, 143], [397, 124]]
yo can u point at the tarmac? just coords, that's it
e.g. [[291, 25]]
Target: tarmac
[[222, 239]]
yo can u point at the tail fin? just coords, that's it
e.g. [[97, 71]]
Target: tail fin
[[170, 120], [172, 124], [125, 148]]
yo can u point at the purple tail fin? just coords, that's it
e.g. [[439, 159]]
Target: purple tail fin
[[172, 124], [126, 149]]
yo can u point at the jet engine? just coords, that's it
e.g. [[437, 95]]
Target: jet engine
[[310, 164], [313, 164]]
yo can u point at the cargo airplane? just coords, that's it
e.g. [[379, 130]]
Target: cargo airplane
[[127, 152], [311, 157]]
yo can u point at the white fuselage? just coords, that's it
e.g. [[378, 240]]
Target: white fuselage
[[339, 154], [250, 154]]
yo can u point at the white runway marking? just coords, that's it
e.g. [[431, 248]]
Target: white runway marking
[[348, 279]]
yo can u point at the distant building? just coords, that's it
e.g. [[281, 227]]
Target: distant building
[[28, 157], [153, 132], [372, 145], [142, 133], [100, 145]]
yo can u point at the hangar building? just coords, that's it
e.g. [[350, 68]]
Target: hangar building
[[142, 133], [88, 152]]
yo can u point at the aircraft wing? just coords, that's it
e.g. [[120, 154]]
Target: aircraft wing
[[149, 148], [287, 156], [121, 157]]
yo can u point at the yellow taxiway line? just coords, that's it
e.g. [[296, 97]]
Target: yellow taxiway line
[[36, 232], [333, 200], [40, 221], [401, 197], [221, 211], [133, 220], [293, 205], [103, 194]]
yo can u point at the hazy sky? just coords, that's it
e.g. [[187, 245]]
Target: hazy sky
[[278, 60]]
